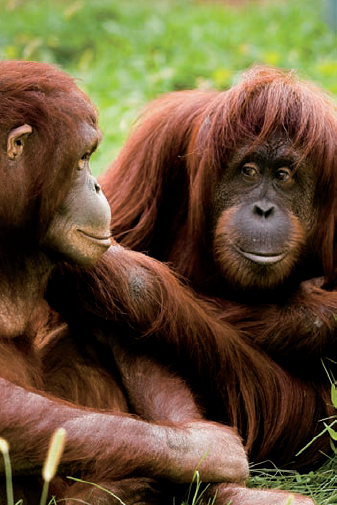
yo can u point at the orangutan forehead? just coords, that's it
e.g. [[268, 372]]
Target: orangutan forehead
[[274, 148], [90, 135]]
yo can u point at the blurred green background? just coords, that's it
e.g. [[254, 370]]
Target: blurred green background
[[126, 52]]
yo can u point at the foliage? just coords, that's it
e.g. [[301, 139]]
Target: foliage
[[126, 53]]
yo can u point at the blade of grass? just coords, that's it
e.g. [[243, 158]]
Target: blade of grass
[[4, 448], [55, 451]]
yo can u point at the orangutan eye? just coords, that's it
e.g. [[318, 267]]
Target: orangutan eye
[[83, 161], [250, 172], [284, 175]]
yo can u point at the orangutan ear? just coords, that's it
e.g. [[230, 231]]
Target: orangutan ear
[[16, 140]]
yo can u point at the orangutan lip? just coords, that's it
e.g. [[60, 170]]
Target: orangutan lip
[[105, 240], [261, 258]]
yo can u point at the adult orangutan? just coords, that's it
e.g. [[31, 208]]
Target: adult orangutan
[[236, 190], [53, 212]]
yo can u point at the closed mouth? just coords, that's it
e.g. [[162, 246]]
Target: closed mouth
[[102, 240], [262, 258]]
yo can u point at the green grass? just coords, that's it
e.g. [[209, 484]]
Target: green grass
[[320, 485], [125, 53]]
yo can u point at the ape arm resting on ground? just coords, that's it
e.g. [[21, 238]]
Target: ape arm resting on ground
[[109, 445]]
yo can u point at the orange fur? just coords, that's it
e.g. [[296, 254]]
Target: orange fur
[[262, 372]]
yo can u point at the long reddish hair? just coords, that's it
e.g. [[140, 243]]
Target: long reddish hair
[[185, 139]]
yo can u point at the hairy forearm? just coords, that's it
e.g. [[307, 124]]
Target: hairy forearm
[[304, 323], [116, 445]]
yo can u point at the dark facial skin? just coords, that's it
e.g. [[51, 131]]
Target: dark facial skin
[[80, 230], [263, 215]]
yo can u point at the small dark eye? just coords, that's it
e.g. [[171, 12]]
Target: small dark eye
[[283, 175], [82, 162], [250, 171]]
